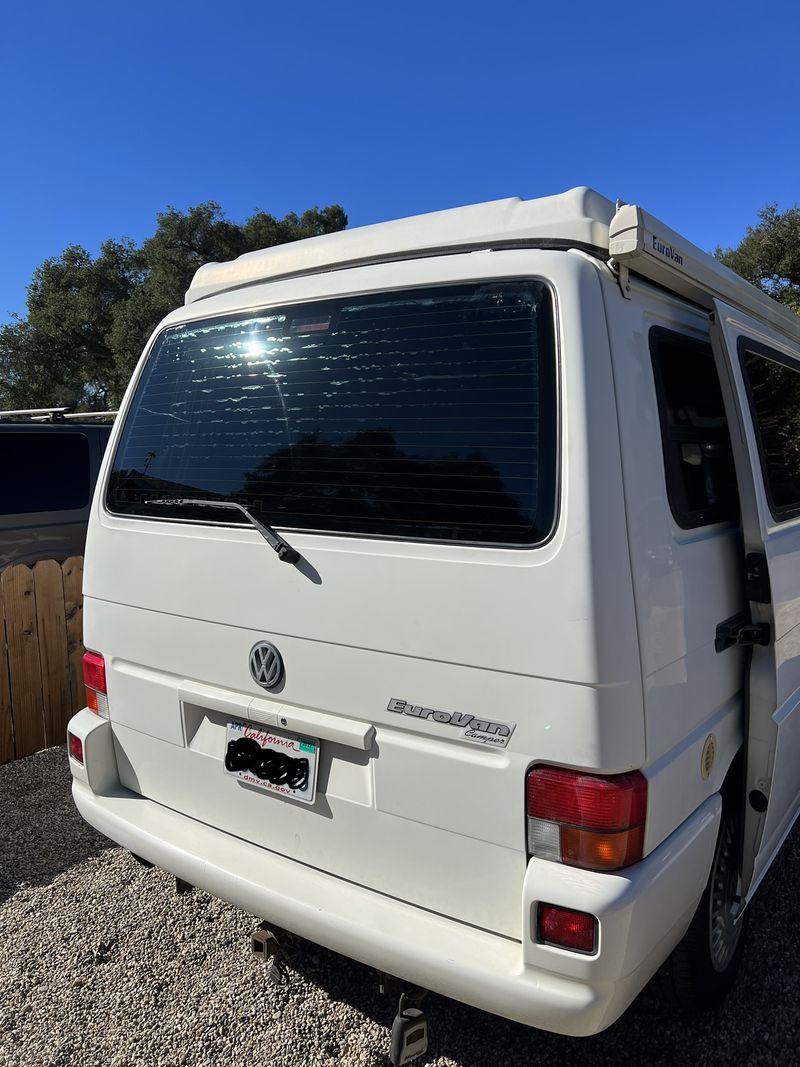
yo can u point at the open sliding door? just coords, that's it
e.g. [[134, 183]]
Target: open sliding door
[[760, 374]]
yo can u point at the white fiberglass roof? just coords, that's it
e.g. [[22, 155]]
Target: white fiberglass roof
[[579, 217]]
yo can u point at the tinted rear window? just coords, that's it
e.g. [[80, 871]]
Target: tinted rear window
[[427, 414], [43, 471]]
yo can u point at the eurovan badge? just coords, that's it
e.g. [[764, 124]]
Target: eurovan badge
[[488, 732]]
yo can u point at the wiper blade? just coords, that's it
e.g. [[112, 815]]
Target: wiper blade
[[285, 552]]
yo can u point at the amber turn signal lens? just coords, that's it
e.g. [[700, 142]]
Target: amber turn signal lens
[[599, 850]]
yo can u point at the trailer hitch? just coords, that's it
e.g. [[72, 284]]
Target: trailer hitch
[[274, 948], [410, 1025]]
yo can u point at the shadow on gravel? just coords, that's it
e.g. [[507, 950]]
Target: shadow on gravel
[[758, 1024], [41, 833]]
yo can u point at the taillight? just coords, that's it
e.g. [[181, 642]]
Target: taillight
[[75, 747], [564, 928], [94, 677], [586, 820]]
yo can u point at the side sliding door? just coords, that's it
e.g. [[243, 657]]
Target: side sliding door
[[760, 374]]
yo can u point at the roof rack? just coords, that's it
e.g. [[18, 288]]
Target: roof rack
[[55, 414]]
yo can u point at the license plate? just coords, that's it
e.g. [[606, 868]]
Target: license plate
[[273, 760]]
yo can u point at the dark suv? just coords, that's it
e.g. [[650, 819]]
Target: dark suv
[[47, 476]]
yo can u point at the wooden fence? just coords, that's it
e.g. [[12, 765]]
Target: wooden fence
[[41, 654]]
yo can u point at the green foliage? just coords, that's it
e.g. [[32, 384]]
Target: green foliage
[[769, 254], [89, 318]]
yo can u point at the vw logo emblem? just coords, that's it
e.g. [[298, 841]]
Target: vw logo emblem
[[266, 665]]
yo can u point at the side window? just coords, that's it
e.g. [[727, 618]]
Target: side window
[[698, 462], [774, 387]]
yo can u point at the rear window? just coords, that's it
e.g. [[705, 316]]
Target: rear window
[[427, 415], [43, 471]]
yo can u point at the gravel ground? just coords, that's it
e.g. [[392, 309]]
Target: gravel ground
[[102, 964]]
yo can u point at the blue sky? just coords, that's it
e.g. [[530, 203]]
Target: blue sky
[[111, 112]]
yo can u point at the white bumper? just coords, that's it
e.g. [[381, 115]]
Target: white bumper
[[642, 912]]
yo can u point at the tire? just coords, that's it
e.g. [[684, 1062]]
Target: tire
[[700, 972]]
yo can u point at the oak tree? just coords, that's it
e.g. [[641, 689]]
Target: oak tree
[[89, 317]]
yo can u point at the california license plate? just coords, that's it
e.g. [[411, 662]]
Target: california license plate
[[273, 760]]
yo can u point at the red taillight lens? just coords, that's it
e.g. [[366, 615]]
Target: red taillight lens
[[612, 802], [94, 671], [586, 820], [575, 930], [94, 677], [75, 747]]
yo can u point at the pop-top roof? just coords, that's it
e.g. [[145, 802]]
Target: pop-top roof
[[577, 218]]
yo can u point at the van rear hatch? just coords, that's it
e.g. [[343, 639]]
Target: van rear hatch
[[405, 443]]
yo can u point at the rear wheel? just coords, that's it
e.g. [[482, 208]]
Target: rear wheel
[[703, 967]]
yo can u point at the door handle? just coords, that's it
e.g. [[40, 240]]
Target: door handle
[[739, 630]]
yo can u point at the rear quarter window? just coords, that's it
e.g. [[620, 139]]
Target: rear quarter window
[[698, 460]]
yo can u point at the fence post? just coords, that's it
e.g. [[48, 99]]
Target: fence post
[[6, 721], [72, 569], [24, 668], [52, 628]]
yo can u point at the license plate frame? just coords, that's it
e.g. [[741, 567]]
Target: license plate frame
[[286, 765]]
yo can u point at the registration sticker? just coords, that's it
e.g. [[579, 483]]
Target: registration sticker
[[272, 760]]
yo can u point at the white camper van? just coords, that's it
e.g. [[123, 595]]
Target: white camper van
[[442, 590]]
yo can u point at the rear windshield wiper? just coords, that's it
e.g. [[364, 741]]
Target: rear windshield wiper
[[285, 552]]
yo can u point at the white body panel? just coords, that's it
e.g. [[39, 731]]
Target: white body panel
[[542, 638], [597, 647], [685, 581]]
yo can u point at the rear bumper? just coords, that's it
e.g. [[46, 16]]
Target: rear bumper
[[642, 913]]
